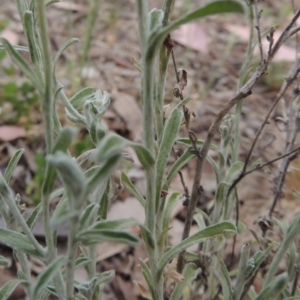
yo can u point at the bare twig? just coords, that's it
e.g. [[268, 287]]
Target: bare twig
[[297, 269], [257, 26], [193, 139], [259, 167], [243, 92], [289, 80], [294, 30], [285, 34], [285, 164]]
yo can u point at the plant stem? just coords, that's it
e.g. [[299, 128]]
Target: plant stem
[[47, 102], [47, 107], [164, 56], [72, 247], [147, 93]]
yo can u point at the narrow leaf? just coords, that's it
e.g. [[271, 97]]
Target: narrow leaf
[[102, 173], [208, 232], [144, 156], [18, 241], [132, 188], [12, 164], [114, 144], [34, 216], [203, 214], [113, 224], [256, 260], [187, 142], [163, 237], [3, 262], [177, 166], [96, 236], [273, 290], [155, 17], [136, 63], [62, 49], [79, 98], [234, 171], [82, 261], [288, 239], [214, 166], [147, 237], [8, 288], [34, 50], [56, 193], [241, 278], [190, 272], [209, 8], [225, 281], [17, 48], [21, 63], [88, 214], [47, 275], [52, 2], [70, 173], [147, 275], [170, 203], [171, 129], [102, 278], [65, 139], [61, 208], [62, 218], [220, 197]]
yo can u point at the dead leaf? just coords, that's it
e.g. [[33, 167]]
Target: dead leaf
[[144, 291], [171, 276], [192, 36], [9, 133]]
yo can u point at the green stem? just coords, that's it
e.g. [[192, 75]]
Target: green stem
[[164, 56], [72, 247], [147, 93], [47, 107], [47, 103]]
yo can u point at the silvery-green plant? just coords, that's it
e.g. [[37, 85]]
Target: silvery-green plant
[[85, 192]]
